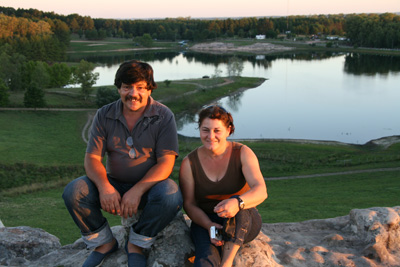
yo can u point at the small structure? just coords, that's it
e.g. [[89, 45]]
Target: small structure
[[260, 36], [331, 37]]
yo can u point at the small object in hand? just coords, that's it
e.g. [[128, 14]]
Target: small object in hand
[[215, 233]]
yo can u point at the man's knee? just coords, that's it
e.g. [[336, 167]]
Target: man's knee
[[169, 194], [76, 190]]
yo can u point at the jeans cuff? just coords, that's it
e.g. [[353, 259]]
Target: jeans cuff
[[140, 240], [93, 240]]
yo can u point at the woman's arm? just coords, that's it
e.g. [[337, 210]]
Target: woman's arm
[[186, 183], [252, 173], [258, 190]]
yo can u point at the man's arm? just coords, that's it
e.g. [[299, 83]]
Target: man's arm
[[159, 172], [109, 197]]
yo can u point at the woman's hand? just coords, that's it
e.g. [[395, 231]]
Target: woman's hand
[[215, 241], [227, 208]]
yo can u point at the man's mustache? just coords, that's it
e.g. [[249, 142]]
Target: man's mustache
[[130, 98]]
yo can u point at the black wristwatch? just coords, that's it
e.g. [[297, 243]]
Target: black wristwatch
[[241, 203]]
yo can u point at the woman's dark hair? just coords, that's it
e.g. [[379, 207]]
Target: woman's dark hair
[[134, 71], [217, 112]]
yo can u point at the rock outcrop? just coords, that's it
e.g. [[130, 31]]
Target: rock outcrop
[[365, 237]]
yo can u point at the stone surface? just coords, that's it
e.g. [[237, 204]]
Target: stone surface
[[365, 237]]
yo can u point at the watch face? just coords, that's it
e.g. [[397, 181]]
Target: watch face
[[241, 203]]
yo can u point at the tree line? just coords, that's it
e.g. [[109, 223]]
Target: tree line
[[368, 30], [45, 39]]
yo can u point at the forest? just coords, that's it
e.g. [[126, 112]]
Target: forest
[[366, 30]]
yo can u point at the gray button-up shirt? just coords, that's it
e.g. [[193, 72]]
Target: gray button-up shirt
[[154, 136]]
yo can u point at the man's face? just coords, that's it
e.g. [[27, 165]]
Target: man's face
[[134, 96]]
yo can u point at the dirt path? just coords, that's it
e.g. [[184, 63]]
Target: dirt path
[[332, 174]]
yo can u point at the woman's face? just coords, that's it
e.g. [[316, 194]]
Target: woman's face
[[213, 133]]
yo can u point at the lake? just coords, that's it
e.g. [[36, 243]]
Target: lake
[[349, 98]]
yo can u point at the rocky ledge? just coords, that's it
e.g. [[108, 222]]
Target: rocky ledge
[[365, 237]]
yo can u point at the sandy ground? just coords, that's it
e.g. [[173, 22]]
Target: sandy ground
[[219, 47]]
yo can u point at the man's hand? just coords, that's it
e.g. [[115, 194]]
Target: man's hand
[[130, 202], [110, 200]]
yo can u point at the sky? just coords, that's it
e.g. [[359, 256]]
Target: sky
[[139, 9]]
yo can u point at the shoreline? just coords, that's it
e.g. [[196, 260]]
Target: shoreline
[[383, 142]]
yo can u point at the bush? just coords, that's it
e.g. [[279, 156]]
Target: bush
[[145, 40], [34, 97], [106, 95], [3, 94], [26, 174], [167, 83]]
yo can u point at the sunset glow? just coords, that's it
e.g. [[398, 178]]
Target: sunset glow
[[127, 9]]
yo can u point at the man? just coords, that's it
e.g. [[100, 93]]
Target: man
[[140, 139]]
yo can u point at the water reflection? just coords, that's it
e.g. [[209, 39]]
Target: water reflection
[[358, 64], [350, 98], [355, 63]]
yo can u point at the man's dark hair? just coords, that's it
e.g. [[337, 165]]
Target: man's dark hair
[[134, 71]]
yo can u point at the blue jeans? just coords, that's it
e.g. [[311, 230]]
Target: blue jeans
[[159, 205], [247, 227]]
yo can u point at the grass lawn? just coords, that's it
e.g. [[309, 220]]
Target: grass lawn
[[289, 201], [42, 137], [327, 197], [112, 45]]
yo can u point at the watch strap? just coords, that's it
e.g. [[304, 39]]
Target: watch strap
[[240, 202]]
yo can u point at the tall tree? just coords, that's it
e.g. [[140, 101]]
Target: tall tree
[[60, 74], [83, 75]]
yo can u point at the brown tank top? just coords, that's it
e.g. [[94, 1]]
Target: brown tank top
[[209, 193]]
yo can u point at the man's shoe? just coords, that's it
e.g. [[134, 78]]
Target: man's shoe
[[96, 258], [135, 259]]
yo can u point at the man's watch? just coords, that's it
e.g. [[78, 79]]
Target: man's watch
[[241, 203]]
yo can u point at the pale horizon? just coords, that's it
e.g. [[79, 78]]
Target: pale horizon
[[128, 9]]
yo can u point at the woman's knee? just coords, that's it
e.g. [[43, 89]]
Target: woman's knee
[[250, 223], [209, 256]]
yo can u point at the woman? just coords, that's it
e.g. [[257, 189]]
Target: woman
[[221, 183]]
